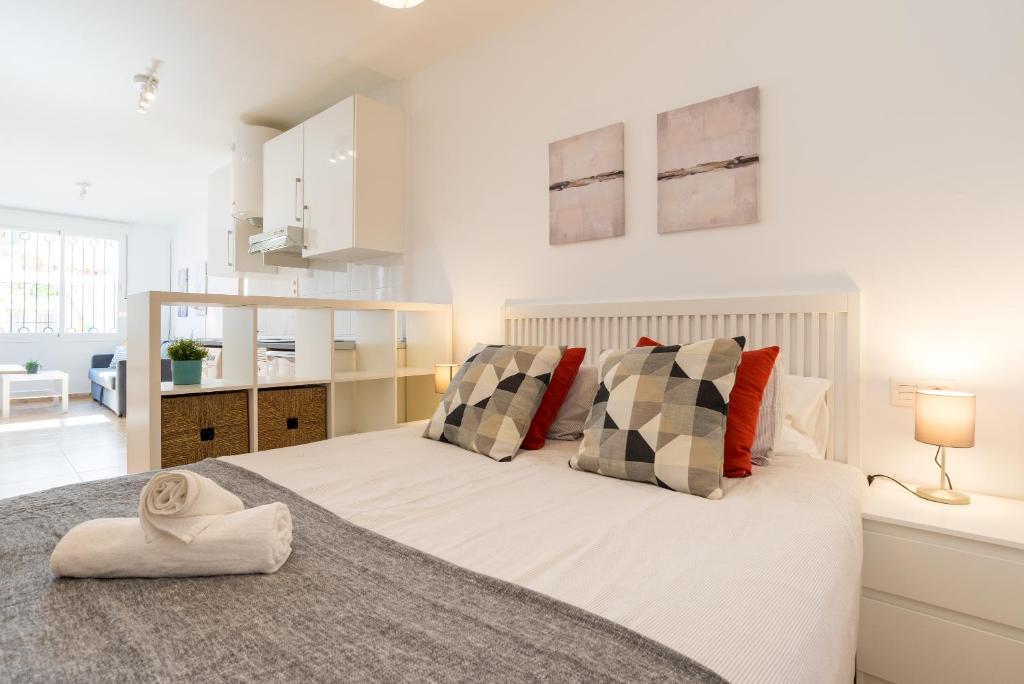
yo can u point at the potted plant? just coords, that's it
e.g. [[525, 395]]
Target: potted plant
[[32, 366], [186, 357]]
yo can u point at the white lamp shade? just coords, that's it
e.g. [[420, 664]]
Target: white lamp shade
[[443, 374], [944, 418]]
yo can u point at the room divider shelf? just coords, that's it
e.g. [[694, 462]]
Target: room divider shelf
[[357, 375], [215, 385], [289, 381], [412, 372], [385, 380]]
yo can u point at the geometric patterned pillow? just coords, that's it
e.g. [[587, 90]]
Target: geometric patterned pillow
[[659, 416], [491, 401]]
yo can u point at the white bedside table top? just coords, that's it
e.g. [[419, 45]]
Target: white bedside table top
[[987, 518]]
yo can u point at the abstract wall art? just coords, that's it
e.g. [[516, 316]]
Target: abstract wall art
[[587, 199], [708, 163]]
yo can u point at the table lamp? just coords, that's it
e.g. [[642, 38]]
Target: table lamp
[[443, 374], [946, 419]]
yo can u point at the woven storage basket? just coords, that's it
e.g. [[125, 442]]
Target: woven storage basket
[[291, 415], [197, 426]]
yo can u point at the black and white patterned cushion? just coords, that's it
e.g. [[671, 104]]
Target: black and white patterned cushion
[[659, 416], [492, 399]]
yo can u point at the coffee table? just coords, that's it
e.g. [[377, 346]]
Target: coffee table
[[8, 379]]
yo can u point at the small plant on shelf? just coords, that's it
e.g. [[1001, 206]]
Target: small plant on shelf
[[32, 366], [186, 357]]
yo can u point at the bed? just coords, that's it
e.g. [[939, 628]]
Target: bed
[[760, 586]]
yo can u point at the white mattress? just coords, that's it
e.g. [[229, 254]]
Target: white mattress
[[760, 586]]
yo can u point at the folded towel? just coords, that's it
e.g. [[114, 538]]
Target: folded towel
[[183, 504], [256, 540]]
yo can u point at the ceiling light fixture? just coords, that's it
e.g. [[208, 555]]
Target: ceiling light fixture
[[147, 83], [398, 4], [83, 189]]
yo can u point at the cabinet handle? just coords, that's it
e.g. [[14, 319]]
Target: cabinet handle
[[231, 248], [295, 201], [305, 213]]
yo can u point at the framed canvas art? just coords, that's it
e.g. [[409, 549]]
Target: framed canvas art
[[709, 163], [586, 191]]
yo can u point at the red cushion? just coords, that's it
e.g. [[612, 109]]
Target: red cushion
[[558, 389], [744, 404]]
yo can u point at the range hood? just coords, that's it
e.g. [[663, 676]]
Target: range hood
[[286, 240]]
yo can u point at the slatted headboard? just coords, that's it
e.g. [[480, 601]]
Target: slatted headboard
[[819, 334]]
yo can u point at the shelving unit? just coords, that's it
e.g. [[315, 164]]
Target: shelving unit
[[379, 384]]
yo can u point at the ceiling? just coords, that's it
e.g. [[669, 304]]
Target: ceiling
[[67, 104]]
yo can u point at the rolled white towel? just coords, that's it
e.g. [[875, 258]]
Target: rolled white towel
[[256, 540], [183, 504]]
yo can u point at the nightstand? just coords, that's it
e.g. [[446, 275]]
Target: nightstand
[[942, 596]]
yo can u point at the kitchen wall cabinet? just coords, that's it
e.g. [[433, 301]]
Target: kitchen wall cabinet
[[282, 180], [345, 169]]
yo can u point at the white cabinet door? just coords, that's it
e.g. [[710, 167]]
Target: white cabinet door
[[328, 158], [219, 224], [283, 180]]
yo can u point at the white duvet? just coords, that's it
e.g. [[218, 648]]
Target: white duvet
[[760, 586]]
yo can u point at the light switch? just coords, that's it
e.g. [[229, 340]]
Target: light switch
[[902, 390]]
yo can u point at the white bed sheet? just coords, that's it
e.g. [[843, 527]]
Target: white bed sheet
[[760, 586]]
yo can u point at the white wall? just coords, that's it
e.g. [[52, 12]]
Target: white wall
[[147, 267], [891, 163]]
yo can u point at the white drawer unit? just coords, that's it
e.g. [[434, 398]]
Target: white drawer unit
[[943, 589]]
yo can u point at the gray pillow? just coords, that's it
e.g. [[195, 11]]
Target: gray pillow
[[769, 416], [568, 423]]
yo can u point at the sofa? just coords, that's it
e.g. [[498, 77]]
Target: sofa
[[109, 384]]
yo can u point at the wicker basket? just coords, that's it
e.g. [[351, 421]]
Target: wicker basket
[[291, 415], [197, 426]]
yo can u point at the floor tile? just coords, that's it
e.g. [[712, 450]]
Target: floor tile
[[36, 485], [31, 441], [35, 468], [94, 457], [29, 450]]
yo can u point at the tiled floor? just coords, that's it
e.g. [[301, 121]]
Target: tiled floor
[[40, 447]]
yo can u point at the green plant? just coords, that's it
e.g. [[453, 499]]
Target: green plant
[[32, 366], [185, 349]]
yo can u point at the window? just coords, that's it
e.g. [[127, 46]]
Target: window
[[90, 284], [52, 283]]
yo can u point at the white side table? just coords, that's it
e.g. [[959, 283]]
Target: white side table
[[942, 596], [8, 379]]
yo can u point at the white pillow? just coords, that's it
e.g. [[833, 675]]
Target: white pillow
[[806, 411], [792, 443], [120, 354]]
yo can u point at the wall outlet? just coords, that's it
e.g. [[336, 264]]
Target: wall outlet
[[902, 390]]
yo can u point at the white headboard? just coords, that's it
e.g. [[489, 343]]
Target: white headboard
[[818, 333]]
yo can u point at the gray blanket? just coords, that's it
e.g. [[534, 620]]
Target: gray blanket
[[349, 605]]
